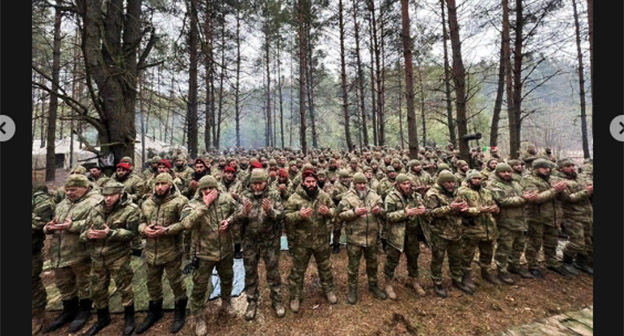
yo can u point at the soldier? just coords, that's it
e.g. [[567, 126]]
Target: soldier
[[577, 216], [445, 211], [68, 255], [511, 223], [338, 190], [200, 170], [397, 165], [164, 166], [261, 232], [309, 211], [479, 229], [181, 169], [152, 170], [163, 251], [421, 180], [543, 216], [134, 185], [373, 183], [332, 171], [110, 229], [229, 182], [460, 175], [209, 216], [530, 155], [42, 212], [361, 210], [517, 169], [96, 177], [354, 166], [490, 167], [322, 182], [386, 184]]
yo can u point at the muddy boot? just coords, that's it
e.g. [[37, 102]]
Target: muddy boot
[[568, 267], [103, 319], [179, 315], [460, 285], [294, 305], [336, 248], [377, 292], [38, 320], [128, 320], [487, 276], [331, 297], [250, 314], [467, 281], [582, 263], [279, 309], [559, 270], [226, 307], [390, 291], [439, 290], [200, 325], [506, 278], [237, 251], [352, 296], [521, 271], [154, 314], [537, 273], [70, 309], [82, 317]]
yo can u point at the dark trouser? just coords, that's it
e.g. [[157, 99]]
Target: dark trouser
[[174, 275], [39, 296], [412, 251], [486, 252], [580, 237], [439, 248], [301, 259], [542, 235], [203, 274], [370, 255], [267, 248], [510, 245]]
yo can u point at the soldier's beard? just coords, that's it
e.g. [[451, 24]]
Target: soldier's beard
[[362, 193], [312, 192], [243, 166], [320, 183], [161, 197], [475, 187]]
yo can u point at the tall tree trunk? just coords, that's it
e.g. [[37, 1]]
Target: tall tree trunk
[[343, 79], [209, 67], [517, 78], [360, 72], [142, 116], [412, 132], [400, 99], [217, 140], [372, 84], [381, 78], [459, 77], [53, 107], [290, 94], [279, 91], [191, 115], [267, 60], [498, 103], [590, 21], [447, 80], [74, 93], [237, 85], [581, 82], [301, 10], [513, 146], [422, 104], [310, 78]]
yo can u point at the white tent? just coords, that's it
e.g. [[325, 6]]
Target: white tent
[[61, 152]]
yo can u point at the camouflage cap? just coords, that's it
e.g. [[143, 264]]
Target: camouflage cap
[[359, 178], [445, 176], [565, 162], [472, 174], [461, 163], [344, 173], [112, 187], [401, 178], [353, 160], [502, 167], [180, 157], [541, 163], [443, 166], [258, 175], [514, 162], [272, 162], [155, 159], [126, 159], [389, 169], [78, 170], [77, 180], [367, 168], [163, 178], [207, 181]]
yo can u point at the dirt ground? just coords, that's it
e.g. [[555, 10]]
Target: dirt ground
[[492, 309]]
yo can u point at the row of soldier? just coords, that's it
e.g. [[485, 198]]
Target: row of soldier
[[209, 216]]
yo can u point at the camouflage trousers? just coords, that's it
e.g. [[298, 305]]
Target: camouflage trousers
[[202, 275], [412, 251], [174, 275], [580, 237], [440, 247], [370, 255], [337, 231], [290, 234], [542, 235], [186, 242], [74, 280], [39, 295], [267, 248], [120, 271], [301, 259], [510, 245], [486, 252]]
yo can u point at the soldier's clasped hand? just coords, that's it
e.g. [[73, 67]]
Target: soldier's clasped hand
[[306, 212], [560, 186], [376, 210], [266, 205], [247, 207], [324, 210], [224, 225]]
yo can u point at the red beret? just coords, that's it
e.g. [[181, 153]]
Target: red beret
[[256, 164], [307, 173], [230, 169], [124, 165], [283, 172], [165, 162]]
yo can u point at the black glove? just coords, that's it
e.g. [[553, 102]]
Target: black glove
[[137, 252]]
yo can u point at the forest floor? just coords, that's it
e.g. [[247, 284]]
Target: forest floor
[[492, 310]]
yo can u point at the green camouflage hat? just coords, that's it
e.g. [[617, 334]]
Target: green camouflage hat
[[112, 187], [565, 162], [126, 159], [258, 175], [77, 180], [445, 176], [207, 182], [389, 169], [359, 178], [401, 178], [344, 173], [472, 174], [163, 178], [502, 167], [514, 162], [460, 163], [541, 163], [78, 170]]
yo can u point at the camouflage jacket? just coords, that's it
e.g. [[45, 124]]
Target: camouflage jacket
[[486, 175], [311, 232], [397, 221], [134, 186], [338, 190], [575, 200], [66, 249], [123, 221], [288, 189], [42, 213], [236, 187], [258, 223], [148, 173], [187, 190], [480, 226], [184, 173], [207, 241], [422, 180], [546, 208], [361, 230], [99, 182], [165, 212], [508, 196], [373, 183], [177, 182], [385, 186], [332, 174], [443, 220]]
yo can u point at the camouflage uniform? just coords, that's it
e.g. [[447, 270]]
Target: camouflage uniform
[[163, 253], [183, 173], [134, 186], [385, 186], [42, 213], [111, 256], [311, 237], [362, 234], [510, 220], [336, 195]]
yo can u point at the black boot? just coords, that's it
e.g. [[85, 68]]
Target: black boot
[[128, 320], [103, 319], [559, 270], [568, 267], [153, 315], [352, 295], [336, 248], [487, 276], [384, 244], [460, 285], [467, 281], [237, 251], [582, 263], [82, 317], [439, 290], [70, 309], [377, 292], [179, 315]]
